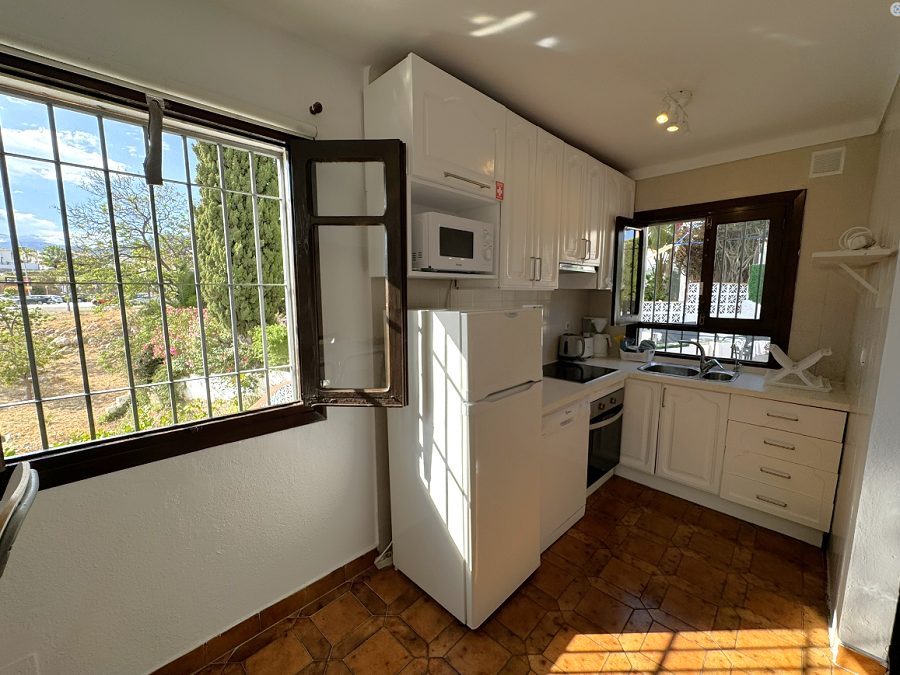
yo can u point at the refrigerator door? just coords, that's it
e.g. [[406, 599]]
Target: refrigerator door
[[504, 433], [500, 349]]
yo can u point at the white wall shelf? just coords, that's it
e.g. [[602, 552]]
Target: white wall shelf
[[846, 261]]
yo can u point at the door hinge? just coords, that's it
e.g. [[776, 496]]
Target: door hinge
[[701, 320]]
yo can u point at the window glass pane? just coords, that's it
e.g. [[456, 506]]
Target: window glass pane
[[750, 348], [78, 138], [125, 149], [353, 285], [739, 272], [672, 272], [158, 318], [349, 189], [629, 265], [26, 127]]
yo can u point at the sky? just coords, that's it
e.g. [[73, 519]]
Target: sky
[[25, 129]]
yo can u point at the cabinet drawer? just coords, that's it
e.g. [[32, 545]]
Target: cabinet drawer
[[789, 505], [771, 471], [812, 452], [800, 419]]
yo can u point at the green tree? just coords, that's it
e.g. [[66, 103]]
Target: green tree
[[11, 291], [14, 366], [211, 235], [53, 256]]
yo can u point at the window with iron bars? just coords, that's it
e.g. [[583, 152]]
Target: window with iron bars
[[126, 307]]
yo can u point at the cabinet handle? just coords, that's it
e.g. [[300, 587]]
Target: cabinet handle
[[773, 472], [483, 186], [532, 268], [540, 269], [782, 416], [771, 501], [588, 243], [786, 446], [663, 405]]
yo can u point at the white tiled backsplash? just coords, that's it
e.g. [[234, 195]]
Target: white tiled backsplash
[[559, 306]]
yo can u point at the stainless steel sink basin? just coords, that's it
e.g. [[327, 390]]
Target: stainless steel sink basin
[[670, 369], [720, 376]]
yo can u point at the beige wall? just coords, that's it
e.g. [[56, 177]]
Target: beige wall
[[864, 550], [825, 302]]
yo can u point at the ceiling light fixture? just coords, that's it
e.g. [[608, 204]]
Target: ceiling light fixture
[[504, 24], [548, 42], [673, 114], [481, 19]]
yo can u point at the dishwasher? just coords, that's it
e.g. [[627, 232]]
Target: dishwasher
[[605, 438], [564, 446]]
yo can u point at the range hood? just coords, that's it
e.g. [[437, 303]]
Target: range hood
[[577, 267]]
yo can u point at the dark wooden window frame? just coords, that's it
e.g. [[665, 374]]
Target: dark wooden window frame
[[779, 298], [102, 456]]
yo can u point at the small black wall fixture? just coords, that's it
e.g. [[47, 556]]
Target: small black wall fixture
[[315, 108]]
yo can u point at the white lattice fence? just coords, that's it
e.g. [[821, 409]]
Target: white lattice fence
[[671, 312]]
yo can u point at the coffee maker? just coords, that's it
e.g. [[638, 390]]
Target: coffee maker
[[592, 329]]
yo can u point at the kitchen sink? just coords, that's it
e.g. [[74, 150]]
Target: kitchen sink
[[688, 372], [670, 369], [720, 375]]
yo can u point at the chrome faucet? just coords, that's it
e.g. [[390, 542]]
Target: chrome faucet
[[706, 363]]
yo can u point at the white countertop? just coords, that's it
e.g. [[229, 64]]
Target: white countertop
[[560, 393]]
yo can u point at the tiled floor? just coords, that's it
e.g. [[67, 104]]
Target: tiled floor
[[644, 582]]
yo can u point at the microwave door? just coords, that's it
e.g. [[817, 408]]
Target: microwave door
[[456, 246]]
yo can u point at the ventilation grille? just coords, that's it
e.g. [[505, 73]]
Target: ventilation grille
[[827, 162]]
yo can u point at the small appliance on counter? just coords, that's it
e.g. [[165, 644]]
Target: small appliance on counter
[[629, 350], [592, 327], [575, 347]]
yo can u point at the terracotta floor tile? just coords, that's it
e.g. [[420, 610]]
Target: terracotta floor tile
[[657, 524], [785, 573], [774, 607], [779, 545], [337, 668], [544, 633], [671, 506], [477, 654], [440, 667], [520, 614], [427, 618], [517, 665], [572, 549], [610, 506], [858, 663], [551, 579], [689, 608], [714, 547], [606, 612], [415, 667], [503, 636], [356, 637], [284, 655], [311, 637], [643, 548], [389, 584], [719, 524], [655, 592], [406, 636], [379, 655], [574, 593], [625, 576], [444, 642], [597, 525], [615, 592], [702, 575], [340, 617]]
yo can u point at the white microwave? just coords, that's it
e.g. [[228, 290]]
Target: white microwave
[[442, 243]]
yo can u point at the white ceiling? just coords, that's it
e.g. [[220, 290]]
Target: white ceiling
[[767, 75]]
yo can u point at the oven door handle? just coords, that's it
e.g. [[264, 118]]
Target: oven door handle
[[607, 422]]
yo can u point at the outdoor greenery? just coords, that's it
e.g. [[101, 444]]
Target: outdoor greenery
[[14, 365]]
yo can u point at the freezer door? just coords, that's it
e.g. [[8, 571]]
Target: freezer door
[[504, 441], [501, 349]]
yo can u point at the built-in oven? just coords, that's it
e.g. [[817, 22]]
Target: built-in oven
[[605, 437], [442, 243]]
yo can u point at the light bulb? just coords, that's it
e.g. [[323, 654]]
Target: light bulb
[[662, 118], [672, 127]]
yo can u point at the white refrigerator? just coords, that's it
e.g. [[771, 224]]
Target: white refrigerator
[[465, 457]]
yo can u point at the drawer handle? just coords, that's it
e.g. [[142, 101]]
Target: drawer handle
[[782, 416], [786, 446], [773, 472], [483, 186], [775, 502]]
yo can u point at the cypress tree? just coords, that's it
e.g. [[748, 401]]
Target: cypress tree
[[211, 236]]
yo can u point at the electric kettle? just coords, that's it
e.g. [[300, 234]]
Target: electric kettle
[[573, 346], [602, 343]]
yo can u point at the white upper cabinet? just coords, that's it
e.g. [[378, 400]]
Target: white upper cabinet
[[548, 208], [594, 199], [691, 447], [530, 213], [518, 264], [572, 242], [456, 134], [618, 201]]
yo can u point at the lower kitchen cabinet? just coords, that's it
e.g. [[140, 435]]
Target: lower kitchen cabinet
[[691, 445], [639, 425]]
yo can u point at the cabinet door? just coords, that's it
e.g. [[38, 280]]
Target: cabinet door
[[572, 247], [548, 208], [595, 188], [692, 437], [639, 425], [618, 200], [517, 222], [458, 133]]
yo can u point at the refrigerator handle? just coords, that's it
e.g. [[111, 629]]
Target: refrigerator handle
[[506, 393]]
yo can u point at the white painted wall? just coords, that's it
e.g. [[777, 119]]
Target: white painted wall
[[120, 574], [864, 551]]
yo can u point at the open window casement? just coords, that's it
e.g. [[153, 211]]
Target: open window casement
[[628, 293], [350, 259]]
